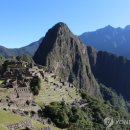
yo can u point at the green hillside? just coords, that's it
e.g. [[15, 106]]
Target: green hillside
[[7, 118]]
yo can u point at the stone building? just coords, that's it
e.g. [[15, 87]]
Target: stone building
[[20, 91], [17, 76], [22, 125], [15, 64]]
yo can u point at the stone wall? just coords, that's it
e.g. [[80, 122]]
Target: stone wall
[[24, 125], [21, 125]]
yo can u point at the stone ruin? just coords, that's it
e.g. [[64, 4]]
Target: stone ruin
[[46, 128], [21, 125], [17, 76], [20, 91], [27, 124]]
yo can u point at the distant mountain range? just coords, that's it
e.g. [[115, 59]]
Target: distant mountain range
[[115, 40], [29, 49]]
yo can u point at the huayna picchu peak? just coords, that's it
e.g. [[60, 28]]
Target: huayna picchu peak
[[63, 53], [60, 27]]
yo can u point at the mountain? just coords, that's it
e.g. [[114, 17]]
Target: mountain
[[80, 104], [115, 40], [29, 50], [111, 70], [63, 53]]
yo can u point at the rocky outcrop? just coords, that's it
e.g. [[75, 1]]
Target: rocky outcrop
[[63, 53], [111, 70]]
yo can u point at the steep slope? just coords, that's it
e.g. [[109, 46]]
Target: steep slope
[[115, 40], [111, 70], [29, 50], [63, 53]]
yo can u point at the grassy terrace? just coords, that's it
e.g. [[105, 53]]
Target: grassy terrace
[[1, 81], [7, 118], [50, 93]]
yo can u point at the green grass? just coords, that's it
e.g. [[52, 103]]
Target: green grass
[[7, 118], [47, 93], [1, 81]]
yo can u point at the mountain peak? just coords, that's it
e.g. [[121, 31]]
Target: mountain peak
[[60, 24], [59, 29], [127, 27], [109, 27], [64, 54]]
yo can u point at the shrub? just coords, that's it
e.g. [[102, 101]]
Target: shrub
[[35, 85]]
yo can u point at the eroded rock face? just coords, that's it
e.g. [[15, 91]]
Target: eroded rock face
[[111, 70], [63, 53]]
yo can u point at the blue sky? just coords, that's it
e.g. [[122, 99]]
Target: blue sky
[[25, 21]]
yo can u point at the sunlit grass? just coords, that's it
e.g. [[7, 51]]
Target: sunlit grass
[[7, 118], [1, 81], [49, 93]]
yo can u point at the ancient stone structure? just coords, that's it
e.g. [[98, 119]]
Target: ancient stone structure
[[46, 128], [20, 93], [17, 75], [21, 125], [27, 124]]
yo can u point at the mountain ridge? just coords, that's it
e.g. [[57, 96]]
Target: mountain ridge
[[28, 49], [114, 40], [111, 70]]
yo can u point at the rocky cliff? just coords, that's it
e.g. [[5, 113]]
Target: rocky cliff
[[111, 70], [63, 53]]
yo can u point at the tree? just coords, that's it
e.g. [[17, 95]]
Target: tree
[[2, 59], [25, 58], [35, 85]]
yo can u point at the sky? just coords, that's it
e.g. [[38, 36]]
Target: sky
[[26, 21]]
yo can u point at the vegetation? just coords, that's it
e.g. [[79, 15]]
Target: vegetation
[[50, 93], [35, 85], [25, 58], [90, 115], [1, 81], [2, 59], [111, 96], [7, 118], [66, 116]]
